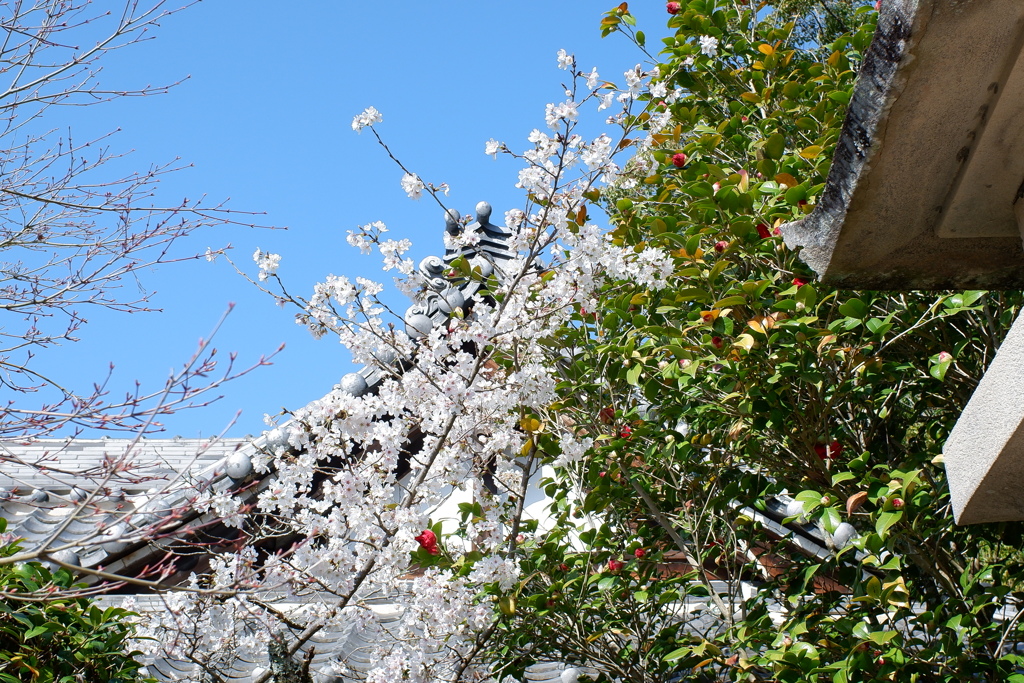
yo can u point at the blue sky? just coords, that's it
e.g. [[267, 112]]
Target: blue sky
[[264, 118]]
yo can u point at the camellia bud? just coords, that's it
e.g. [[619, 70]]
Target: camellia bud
[[721, 246], [615, 565], [679, 160], [672, 7], [639, 553], [897, 503]]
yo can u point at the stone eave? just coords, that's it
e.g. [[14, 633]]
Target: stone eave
[[927, 170]]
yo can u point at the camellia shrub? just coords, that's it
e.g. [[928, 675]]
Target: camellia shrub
[[60, 637], [745, 380]]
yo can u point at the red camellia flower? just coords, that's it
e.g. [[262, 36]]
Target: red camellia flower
[[615, 565], [829, 451], [564, 567], [763, 231], [721, 246], [799, 282], [717, 342], [672, 7], [626, 432], [428, 541], [679, 160], [639, 553]]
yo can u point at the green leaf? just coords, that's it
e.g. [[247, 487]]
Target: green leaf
[[938, 369], [730, 301], [32, 633], [878, 326], [886, 520], [830, 519], [810, 499], [840, 477], [854, 308], [806, 297], [633, 374], [775, 146], [700, 188], [676, 655]]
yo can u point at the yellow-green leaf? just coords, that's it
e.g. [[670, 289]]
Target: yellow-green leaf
[[810, 152]]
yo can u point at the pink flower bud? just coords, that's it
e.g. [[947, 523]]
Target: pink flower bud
[[639, 553], [615, 565], [672, 7], [721, 246], [945, 356], [679, 160]]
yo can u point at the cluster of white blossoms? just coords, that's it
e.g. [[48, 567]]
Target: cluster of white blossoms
[[565, 60], [412, 186], [708, 46], [267, 263], [556, 115], [354, 480], [367, 117]]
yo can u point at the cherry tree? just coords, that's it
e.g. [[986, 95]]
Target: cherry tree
[[353, 484]]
